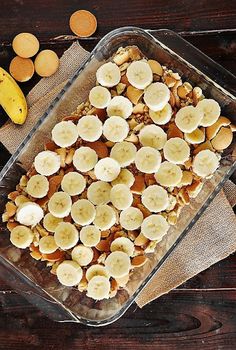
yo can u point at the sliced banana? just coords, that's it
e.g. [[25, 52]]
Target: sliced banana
[[99, 192], [90, 235], [89, 128], [124, 152], [210, 109], [47, 245], [21, 236], [98, 288], [163, 116], [139, 74], [168, 174], [69, 273], [176, 150], [84, 159], [96, 270], [131, 218], [108, 74], [154, 227], [73, 183], [99, 97], [115, 129], [59, 204], [65, 133], [120, 106], [29, 214], [125, 177], [153, 136], [105, 217], [83, 212], [50, 222], [155, 198], [66, 235], [205, 163], [107, 169], [118, 264], [121, 197], [47, 163], [82, 255], [156, 96], [37, 186], [188, 118], [122, 244], [148, 160], [195, 137]]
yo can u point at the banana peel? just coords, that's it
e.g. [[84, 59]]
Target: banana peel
[[12, 98]]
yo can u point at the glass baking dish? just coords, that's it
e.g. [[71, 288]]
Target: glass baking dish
[[32, 278]]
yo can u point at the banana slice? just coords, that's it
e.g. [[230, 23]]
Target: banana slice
[[98, 288], [99, 97], [84, 159], [99, 192], [96, 270], [65, 133], [122, 244], [37, 186], [118, 264], [83, 212], [195, 137], [121, 197], [176, 150], [82, 255], [155, 198], [29, 214], [154, 227], [47, 245], [21, 236], [108, 74], [73, 183], [163, 116], [139, 74], [107, 169], [89, 128], [210, 109], [90, 235], [66, 235], [147, 160], [69, 273], [115, 129], [124, 152], [131, 218], [125, 177], [188, 118], [168, 174], [105, 217], [47, 163], [50, 222], [156, 96], [120, 106], [153, 136], [205, 163], [59, 204]]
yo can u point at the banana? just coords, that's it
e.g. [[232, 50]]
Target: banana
[[105, 217], [69, 273], [98, 288], [96, 270], [195, 137], [73, 183], [89, 128], [121, 197], [188, 118], [82, 255], [176, 150], [47, 245], [124, 152], [83, 212], [59, 204], [90, 235], [118, 264], [37, 186], [66, 235], [50, 222], [168, 174], [125, 177], [99, 97], [205, 163], [147, 160], [163, 116], [47, 163], [152, 136], [65, 133], [131, 218], [156, 96], [108, 74], [84, 159], [155, 198], [154, 227], [139, 74], [12, 99], [120, 106], [99, 192], [21, 236], [210, 109], [29, 214], [115, 129], [122, 244], [107, 169]]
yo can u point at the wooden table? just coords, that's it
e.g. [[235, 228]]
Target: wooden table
[[201, 314]]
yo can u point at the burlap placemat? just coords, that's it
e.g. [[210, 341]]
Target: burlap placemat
[[213, 238]]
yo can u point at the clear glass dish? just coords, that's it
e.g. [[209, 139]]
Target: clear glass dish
[[32, 278]]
